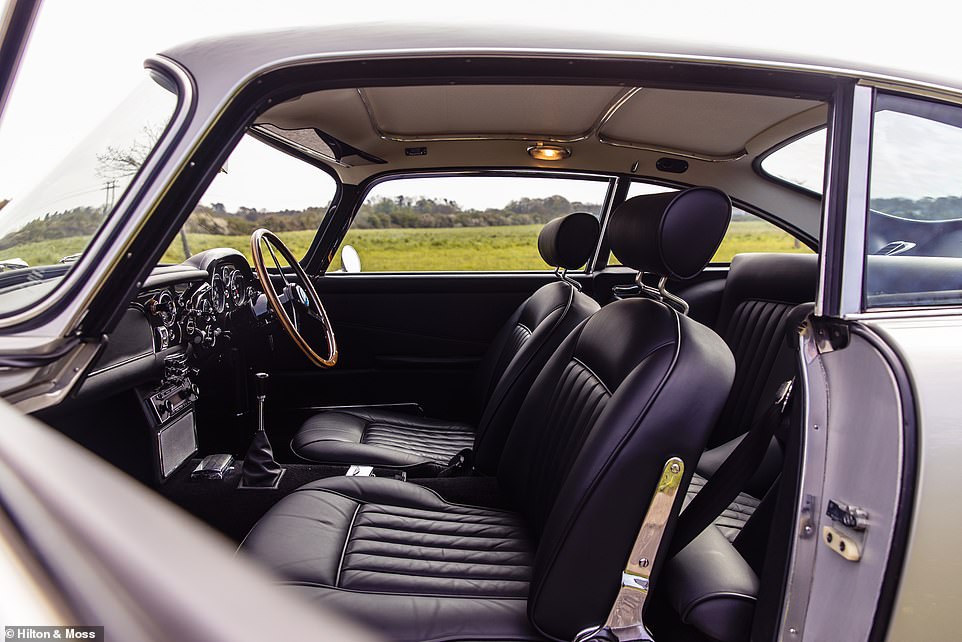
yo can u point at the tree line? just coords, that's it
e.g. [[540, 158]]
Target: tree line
[[380, 213], [397, 212], [925, 209]]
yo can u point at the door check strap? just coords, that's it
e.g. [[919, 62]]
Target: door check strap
[[624, 621]]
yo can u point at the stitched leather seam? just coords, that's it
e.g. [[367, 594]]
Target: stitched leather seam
[[439, 575], [310, 584], [463, 518], [423, 558], [526, 328], [458, 535], [409, 544], [508, 517], [347, 539], [483, 513], [592, 373], [305, 488]]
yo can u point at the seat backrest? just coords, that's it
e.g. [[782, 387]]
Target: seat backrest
[[532, 334], [760, 293], [632, 386]]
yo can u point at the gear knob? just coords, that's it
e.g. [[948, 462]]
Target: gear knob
[[260, 379]]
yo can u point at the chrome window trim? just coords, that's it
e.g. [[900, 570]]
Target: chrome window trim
[[90, 271], [857, 200], [845, 203], [873, 314]]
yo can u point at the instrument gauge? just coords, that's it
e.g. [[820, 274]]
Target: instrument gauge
[[164, 308], [218, 293], [237, 288]]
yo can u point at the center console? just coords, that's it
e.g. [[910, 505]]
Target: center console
[[169, 409]]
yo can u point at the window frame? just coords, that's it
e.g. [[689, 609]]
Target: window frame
[[309, 257], [365, 187], [895, 99], [760, 159], [95, 260]]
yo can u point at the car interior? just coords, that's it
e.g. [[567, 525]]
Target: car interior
[[470, 454]]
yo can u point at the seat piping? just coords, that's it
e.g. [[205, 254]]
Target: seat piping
[[347, 539]]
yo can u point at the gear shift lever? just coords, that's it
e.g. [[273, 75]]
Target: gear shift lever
[[260, 469], [260, 380]]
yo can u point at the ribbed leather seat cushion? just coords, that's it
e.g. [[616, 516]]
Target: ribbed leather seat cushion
[[470, 551], [755, 333], [401, 558], [761, 292], [377, 436], [380, 437], [422, 441], [733, 520], [517, 335]]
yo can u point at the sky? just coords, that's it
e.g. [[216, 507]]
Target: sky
[[85, 57]]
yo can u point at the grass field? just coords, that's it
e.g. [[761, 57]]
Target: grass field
[[468, 248]]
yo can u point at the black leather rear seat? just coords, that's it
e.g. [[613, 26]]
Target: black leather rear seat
[[761, 302], [760, 292], [710, 584]]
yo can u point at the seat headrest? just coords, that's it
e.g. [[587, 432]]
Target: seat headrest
[[568, 241], [672, 234]]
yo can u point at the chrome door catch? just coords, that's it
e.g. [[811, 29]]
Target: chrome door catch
[[849, 516]]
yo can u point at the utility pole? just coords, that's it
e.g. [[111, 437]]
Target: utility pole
[[183, 241], [110, 192]]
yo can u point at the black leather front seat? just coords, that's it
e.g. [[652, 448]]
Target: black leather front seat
[[384, 437], [635, 384]]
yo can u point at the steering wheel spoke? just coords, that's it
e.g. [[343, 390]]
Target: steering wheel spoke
[[300, 293]]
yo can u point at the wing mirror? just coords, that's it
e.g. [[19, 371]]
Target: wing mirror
[[350, 259]]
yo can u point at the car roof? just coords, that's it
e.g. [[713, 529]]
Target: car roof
[[241, 54], [221, 66]]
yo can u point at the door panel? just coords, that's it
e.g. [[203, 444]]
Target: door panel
[[403, 338], [418, 338]]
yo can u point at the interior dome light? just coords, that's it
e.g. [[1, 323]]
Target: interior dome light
[[544, 152]]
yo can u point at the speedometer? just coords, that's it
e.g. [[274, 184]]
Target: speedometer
[[237, 288], [218, 293]]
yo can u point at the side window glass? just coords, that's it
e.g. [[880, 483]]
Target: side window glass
[[462, 223], [747, 232], [259, 186], [914, 233]]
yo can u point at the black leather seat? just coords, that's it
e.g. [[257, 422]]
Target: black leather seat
[[765, 296], [382, 437], [635, 384], [761, 292], [713, 583]]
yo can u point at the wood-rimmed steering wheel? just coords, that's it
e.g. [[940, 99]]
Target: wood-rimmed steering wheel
[[299, 297]]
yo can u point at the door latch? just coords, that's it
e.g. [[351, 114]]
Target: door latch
[[849, 516]]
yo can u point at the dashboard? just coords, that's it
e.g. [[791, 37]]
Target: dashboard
[[174, 337], [203, 306]]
